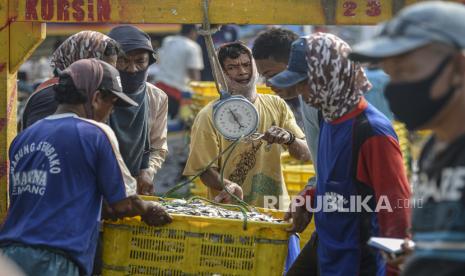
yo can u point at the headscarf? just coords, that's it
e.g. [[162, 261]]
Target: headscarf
[[85, 44], [336, 83], [236, 88], [87, 75]]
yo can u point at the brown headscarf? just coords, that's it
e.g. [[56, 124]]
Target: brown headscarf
[[85, 44], [336, 83], [87, 75]]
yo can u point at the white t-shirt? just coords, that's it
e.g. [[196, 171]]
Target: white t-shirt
[[177, 55]]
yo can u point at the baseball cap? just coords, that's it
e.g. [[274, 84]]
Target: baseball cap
[[297, 67], [132, 38], [414, 27], [111, 81], [85, 74]]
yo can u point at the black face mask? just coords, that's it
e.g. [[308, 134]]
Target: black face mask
[[411, 102], [131, 82]]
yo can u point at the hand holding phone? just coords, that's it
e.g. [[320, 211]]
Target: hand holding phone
[[395, 251]]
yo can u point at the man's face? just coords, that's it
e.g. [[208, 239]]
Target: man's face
[[102, 106], [268, 68], [134, 61], [419, 65], [239, 69]]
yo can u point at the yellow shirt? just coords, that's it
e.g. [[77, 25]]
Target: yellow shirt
[[254, 167]]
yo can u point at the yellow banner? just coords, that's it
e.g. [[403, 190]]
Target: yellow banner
[[299, 12]]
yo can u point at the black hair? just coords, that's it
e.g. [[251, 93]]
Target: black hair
[[22, 76], [67, 93], [232, 51], [274, 43], [186, 29], [113, 48]]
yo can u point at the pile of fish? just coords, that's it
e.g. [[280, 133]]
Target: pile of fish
[[198, 208]]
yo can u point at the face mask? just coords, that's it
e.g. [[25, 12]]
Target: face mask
[[131, 82], [411, 102]]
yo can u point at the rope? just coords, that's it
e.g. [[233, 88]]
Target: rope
[[190, 180], [207, 32]]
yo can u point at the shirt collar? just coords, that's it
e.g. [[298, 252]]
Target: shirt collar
[[61, 116], [361, 106]]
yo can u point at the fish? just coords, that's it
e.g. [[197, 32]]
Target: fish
[[201, 209]]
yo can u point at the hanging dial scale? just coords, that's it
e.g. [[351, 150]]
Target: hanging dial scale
[[235, 116]]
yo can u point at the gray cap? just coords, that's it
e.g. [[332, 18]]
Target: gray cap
[[414, 27]]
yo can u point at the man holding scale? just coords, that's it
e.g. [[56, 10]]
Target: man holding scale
[[253, 170]]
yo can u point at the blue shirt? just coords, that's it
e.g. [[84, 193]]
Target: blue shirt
[[60, 168], [352, 153]]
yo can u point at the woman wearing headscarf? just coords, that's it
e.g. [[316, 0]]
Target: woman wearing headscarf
[[85, 44], [361, 178]]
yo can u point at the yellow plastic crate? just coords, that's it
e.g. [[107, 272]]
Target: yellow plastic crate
[[296, 177], [305, 235], [194, 246], [205, 92], [405, 147], [287, 159]]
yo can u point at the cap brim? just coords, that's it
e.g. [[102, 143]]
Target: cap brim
[[384, 47], [287, 79], [152, 55], [123, 100]]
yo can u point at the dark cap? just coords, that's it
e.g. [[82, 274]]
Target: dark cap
[[111, 81], [132, 38], [297, 67]]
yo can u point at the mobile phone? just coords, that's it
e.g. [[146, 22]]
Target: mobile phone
[[391, 246]]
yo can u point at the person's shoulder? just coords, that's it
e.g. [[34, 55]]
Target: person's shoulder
[[270, 98], [377, 122], [206, 111], [45, 93], [91, 129], [204, 117], [274, 101], [190, 44], [153, 89], [155, 92]]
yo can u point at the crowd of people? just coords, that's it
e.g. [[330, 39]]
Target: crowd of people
[[93, 137]]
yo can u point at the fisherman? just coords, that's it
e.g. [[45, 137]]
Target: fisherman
[[61, 168], [141, 130], [422, 50], [253, 171], [359, 160]]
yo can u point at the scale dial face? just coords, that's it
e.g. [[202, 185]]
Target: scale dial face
[[235, 117]]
